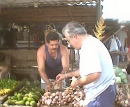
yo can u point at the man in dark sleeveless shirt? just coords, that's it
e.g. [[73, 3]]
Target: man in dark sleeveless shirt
[[52, 59]]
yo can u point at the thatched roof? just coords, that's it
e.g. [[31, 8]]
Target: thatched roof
[[24, 11], [49, 11], [25, 3]]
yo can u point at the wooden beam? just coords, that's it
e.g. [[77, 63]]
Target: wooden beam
[[59, 14]]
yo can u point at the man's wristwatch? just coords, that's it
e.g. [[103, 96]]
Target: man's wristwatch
[[66, 76]]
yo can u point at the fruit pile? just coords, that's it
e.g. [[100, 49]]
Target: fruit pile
[[6, 85], [28, 95]]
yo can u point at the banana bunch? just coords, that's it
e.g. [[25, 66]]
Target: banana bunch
[[4, 91], [100, 28]]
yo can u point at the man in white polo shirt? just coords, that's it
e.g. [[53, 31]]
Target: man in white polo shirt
[[95, 69]]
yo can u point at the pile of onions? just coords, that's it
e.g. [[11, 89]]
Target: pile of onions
[[69, 96], [123, 96]]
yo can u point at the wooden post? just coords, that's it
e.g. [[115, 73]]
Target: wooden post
[[0, 10], [99, 9]]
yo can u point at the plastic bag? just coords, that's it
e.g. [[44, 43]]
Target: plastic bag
[[113, 45]]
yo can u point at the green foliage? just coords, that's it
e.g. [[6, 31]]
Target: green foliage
[[119, 73]]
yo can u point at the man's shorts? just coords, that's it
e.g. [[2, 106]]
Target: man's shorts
[[105, 99]]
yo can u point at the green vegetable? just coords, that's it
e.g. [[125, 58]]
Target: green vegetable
[[12, 102], [27, 103], [7, 83], [123, 77], [32, 103], [117, 70], [25, 98], [35, 97], [38, 93], [118, 80], [31, 99], [119, 73], [28, 83], [21, 102]]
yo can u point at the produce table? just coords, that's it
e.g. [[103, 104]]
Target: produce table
[[4, 105], [30, 106], [1, 98], [4, 98], [25, 94], [122, 98]]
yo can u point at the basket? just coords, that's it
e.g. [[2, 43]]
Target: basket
[[49, 28]]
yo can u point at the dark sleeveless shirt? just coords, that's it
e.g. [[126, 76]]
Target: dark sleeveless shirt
[[53, 66]]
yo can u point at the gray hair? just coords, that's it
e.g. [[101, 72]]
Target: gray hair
[[74, 27]]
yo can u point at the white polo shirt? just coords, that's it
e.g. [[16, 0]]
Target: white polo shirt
[[94, 57]]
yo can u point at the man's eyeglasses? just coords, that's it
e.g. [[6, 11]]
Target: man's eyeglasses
[[64, 39]]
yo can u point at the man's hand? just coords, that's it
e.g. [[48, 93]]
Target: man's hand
[[49, 86], [60, 77]]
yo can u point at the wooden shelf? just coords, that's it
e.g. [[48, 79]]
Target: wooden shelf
[[20, 42], [118, 53]]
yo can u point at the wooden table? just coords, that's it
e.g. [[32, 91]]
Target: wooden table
[[118, 53], [2, 98]]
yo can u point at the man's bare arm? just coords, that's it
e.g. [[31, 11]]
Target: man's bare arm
[[41, 64], [86, 79]]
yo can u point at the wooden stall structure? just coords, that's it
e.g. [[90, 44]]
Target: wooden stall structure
[[23, 63], [38, 14]]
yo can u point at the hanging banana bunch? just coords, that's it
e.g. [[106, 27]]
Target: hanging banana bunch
[[100, 29]]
